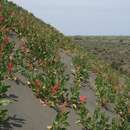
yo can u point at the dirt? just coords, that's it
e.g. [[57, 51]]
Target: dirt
[[67, 60], [88, 91]]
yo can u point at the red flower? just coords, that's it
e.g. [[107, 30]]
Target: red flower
[[1, 18], [0, 7], [6, 39], [10, 67], [55, 88], [82, 99], [38, 83]]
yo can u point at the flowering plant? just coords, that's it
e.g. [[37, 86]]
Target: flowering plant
[[82, 99]]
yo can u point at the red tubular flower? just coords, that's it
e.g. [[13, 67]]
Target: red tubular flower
[[55, 88], [0, 7], [38, 83], [82, 99], [1, 18], [6, 39], [10, 67]]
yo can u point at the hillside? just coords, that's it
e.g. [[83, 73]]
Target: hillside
[[49, 82]]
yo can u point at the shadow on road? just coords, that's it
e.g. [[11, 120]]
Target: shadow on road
[[12, 97], [12, 122]]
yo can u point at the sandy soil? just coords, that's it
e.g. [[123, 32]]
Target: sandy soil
[[26, 112]]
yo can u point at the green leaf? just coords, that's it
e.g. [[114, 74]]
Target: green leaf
[[3, 88], [3, 115], [4, 102]]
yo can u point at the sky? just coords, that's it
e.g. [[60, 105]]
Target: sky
[[83, 17]]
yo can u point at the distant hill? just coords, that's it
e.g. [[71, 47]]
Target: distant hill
[[113, 49]]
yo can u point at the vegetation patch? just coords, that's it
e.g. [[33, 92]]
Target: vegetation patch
[[36, 56]]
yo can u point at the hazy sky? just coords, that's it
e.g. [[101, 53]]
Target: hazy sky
[[83, 17]]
